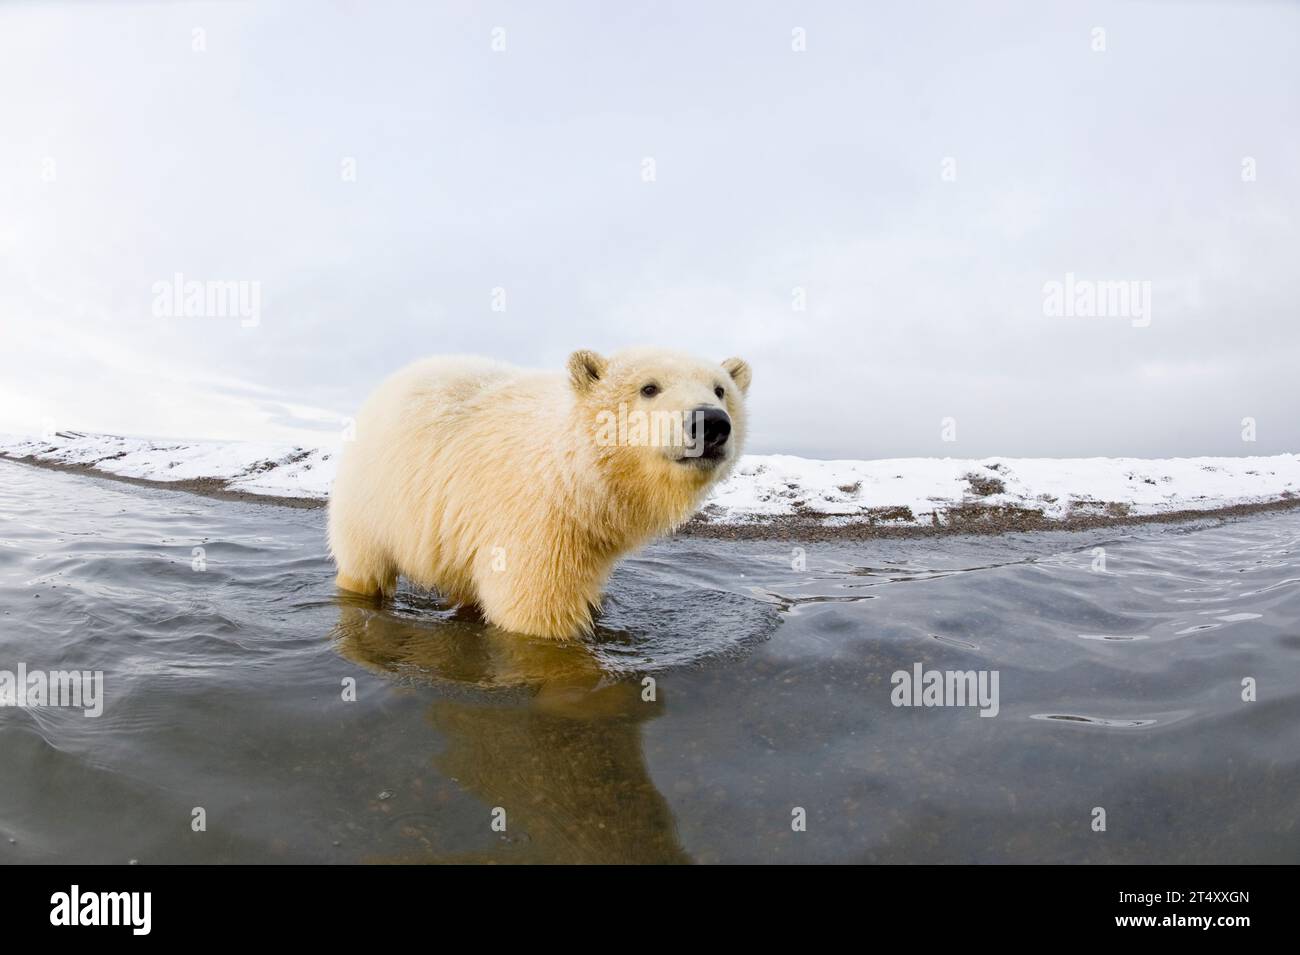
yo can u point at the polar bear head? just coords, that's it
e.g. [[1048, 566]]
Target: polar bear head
[[663, 426]]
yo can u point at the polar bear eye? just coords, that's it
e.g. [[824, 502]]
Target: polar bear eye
[[650, 390], [719, 392]]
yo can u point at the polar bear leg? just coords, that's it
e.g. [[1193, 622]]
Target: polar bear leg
[[370, 587], [374, 581]]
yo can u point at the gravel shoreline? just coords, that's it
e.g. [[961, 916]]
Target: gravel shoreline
[[969, 518]]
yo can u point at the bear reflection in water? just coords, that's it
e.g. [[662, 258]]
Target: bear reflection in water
[[562, 755]]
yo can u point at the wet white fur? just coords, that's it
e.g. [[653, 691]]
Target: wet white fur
[[497, 486]]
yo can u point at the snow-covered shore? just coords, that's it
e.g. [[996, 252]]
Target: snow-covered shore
[[271, 470], [897, 492]]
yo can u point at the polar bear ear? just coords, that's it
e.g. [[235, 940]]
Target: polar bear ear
[[585, 369], [739, 371]]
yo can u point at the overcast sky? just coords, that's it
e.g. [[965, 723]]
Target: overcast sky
[[871, 220]]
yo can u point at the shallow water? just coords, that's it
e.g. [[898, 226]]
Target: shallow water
[[224, 690]]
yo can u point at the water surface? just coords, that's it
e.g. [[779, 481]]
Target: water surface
[[771, 673]]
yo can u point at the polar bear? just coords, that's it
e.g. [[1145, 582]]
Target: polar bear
[[516, 491]]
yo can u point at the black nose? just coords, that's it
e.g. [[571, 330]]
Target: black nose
[[715, 426]]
